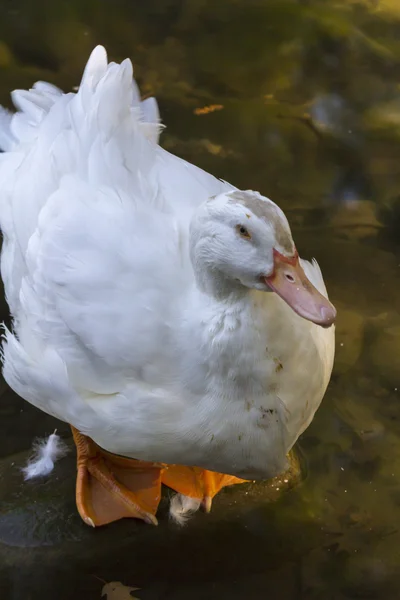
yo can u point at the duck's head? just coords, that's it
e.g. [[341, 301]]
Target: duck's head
[[243, 240]]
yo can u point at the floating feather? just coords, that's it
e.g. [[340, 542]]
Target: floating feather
[[182, 508], [45, 454]]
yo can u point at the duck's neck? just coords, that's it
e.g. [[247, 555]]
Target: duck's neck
[[218, 338], [219, 288], [218, 331]]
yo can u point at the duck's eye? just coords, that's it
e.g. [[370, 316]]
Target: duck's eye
[[243, 231]]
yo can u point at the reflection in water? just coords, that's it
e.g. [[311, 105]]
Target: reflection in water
[[308, 113]]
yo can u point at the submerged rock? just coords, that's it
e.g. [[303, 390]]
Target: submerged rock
[[356, 220]]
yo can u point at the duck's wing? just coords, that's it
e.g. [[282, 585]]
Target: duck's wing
[[95, 257], [34, 159]]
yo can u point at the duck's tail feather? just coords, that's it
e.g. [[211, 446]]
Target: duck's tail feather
[[7, 139], [34, 104], [109, 93]]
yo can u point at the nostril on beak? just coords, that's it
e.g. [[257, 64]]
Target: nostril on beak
[[289, 277]]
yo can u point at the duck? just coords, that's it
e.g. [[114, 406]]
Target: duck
[[161, 312]]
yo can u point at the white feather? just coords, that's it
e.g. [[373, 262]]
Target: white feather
[[7, 140], [45, 454], [182, 508]]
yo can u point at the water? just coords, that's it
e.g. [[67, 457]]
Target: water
[[305, 107]]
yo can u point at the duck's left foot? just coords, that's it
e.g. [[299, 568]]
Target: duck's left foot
[[197, 487]]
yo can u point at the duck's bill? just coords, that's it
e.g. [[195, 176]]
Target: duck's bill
[[291, 283]]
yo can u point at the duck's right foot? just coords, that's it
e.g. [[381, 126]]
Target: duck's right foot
[[110, 487]]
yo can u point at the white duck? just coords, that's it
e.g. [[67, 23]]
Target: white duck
[[161, 312]]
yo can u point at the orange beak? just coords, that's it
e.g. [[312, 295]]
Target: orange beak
[[291, 283]]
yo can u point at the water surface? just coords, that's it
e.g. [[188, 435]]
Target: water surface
[[300, 100]]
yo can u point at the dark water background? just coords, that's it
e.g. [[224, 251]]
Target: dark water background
[[305, 107]]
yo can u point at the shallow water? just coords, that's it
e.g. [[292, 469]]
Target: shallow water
[[300, 100]]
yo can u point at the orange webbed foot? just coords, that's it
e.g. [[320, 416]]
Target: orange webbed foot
[[110, 487], [196, 487]]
